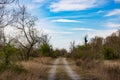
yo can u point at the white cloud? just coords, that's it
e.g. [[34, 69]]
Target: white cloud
[[101, 33], [31, 6], [64, 20], [83, 29], [117, 1], [75, 5], [28, 6], [113, 12], [38, 1], [112, 25], [48, 31], [63, 32]]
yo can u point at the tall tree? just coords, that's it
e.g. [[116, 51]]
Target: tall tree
[[25, 23]]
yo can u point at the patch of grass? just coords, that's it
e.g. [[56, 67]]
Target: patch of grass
[[18, 68], [109, 70], [38, 67], [26, 70], [112, 72]]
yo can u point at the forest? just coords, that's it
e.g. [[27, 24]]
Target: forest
[[28, 54]]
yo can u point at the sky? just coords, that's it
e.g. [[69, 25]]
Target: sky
[[66, 21]]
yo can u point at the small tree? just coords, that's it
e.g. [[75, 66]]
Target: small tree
[[72, 49], [45, 48], [10, 51]]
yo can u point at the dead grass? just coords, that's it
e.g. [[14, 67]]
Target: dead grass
[[112, 70], [96, 70], [36, 70]]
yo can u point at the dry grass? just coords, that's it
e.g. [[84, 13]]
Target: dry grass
[[95, 70], [112, 70], [36, 70]]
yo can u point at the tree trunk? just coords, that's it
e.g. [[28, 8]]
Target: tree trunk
[[6, 60], [28, 53]]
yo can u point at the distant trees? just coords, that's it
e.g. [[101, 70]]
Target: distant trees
[[63, 52], [45, 48], [98, 48], [60, 53], [112, 43], [56, 53]]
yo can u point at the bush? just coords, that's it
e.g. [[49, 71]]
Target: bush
[[46, 50], [109, 53], [88, 63]]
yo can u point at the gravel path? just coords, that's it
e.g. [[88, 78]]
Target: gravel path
[[53, 70]]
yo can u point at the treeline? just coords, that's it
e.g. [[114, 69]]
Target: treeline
[[98, 48]]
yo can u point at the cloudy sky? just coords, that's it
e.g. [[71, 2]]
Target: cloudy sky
[[71, 20]]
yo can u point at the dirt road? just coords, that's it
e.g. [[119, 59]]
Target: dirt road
[[53, 70], [63, 69]]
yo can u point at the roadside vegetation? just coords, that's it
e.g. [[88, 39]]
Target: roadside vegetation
[[98, 58]]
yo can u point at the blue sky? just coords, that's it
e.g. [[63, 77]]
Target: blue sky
[[71, 20]]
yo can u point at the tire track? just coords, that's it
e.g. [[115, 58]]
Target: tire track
[[53, 70], [69, 71]]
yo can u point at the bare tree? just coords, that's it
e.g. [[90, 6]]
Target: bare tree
[[96, 46], [97, 43], [25, 23], [6, 1], [72, 46]]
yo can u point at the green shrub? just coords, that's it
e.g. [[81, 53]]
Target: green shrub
[[109, 53], [46, 50]]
